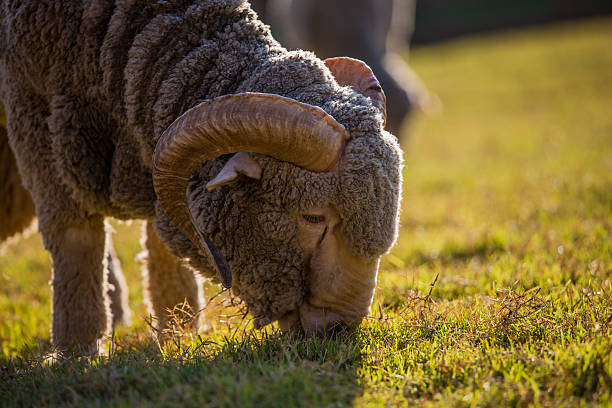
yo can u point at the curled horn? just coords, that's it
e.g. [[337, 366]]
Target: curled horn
[[251, 122], [359, 76]]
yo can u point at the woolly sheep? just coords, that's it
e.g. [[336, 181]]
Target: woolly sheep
[[134, 109]]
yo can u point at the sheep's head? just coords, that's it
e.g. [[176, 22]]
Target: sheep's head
[[331, 200]]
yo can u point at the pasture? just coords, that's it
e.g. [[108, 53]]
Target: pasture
[[498, 292]]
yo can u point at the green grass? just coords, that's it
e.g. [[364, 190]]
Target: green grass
[[498, 292]]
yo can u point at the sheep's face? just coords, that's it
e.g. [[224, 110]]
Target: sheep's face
[[339, 284], [342, 242]]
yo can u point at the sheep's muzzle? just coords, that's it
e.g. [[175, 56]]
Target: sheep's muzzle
[[340, 284], [311, 320]]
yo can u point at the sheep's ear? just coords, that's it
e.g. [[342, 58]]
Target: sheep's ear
[[359, 76], [240, 163]]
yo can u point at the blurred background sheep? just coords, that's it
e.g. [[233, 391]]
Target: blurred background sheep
[[375, 31]]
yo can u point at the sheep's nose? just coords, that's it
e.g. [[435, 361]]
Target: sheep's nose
[[320, 321], [317, 321], [289, 322]]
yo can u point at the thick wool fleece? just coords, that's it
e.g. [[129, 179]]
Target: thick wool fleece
[[89, 87]]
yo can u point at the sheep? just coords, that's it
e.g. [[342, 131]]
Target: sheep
[[266, 170], [375, 31]]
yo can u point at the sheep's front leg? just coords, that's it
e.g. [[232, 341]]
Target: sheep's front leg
[[81, 315], [168, 283]]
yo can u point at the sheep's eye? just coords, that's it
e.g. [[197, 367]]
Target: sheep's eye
[[314, 219]]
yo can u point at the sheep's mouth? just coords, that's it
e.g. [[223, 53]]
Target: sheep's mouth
[[314, 321], [290, 322]]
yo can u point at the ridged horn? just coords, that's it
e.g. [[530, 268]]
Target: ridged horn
[[359, 76], [250, 122]]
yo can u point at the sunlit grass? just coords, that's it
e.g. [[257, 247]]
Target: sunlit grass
[[497, 293]]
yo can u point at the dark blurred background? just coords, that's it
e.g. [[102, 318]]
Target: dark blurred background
[[441, 19]]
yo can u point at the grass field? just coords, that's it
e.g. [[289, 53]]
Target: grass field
[[498, 292]]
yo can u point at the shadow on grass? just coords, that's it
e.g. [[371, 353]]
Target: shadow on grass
[[259, 369]]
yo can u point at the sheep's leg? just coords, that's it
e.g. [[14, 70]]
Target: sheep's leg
[[168, 283], [74, 237], [117, 288], [81, 315]]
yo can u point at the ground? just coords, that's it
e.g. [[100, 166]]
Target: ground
[[498, 292]]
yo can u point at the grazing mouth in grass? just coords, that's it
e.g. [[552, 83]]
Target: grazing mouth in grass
[[497, 293]]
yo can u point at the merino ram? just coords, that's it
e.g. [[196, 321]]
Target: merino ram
[[265, 169]]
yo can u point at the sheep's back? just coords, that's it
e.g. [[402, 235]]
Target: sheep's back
[[117, 74]]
